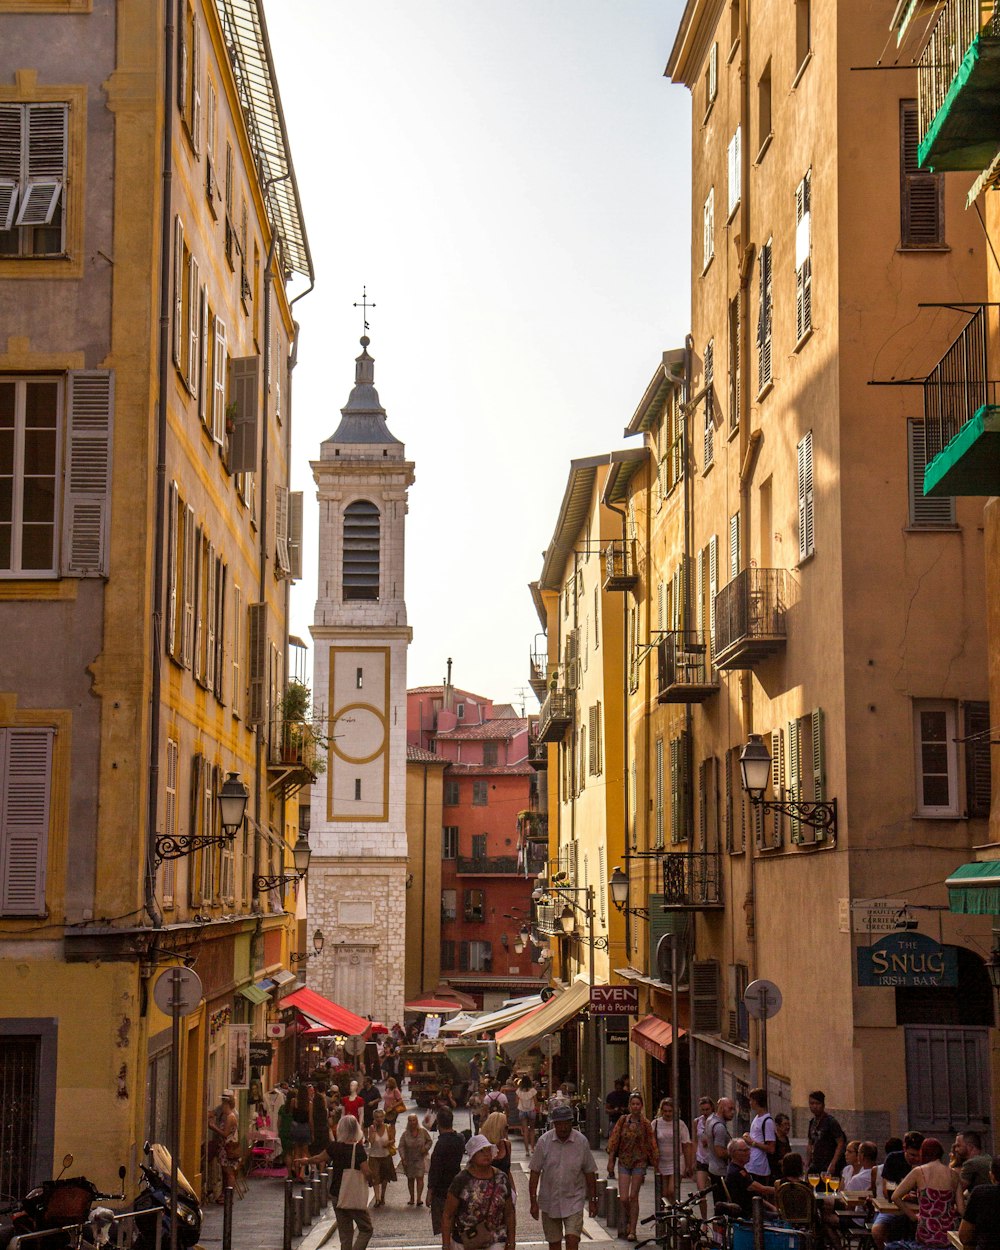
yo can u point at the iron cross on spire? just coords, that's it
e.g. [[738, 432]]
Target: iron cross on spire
[[364, 305]]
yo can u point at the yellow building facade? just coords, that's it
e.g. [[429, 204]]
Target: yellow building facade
[[147, 550]]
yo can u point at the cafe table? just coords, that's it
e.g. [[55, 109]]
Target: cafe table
[[953, 1241]]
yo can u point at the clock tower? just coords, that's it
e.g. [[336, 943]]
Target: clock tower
[[357, 876]]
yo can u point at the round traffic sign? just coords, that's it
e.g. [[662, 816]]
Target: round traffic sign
[[355, 1044], [177, 988], [762, 999]]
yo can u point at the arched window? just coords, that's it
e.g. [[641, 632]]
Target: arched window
[[361, 550]]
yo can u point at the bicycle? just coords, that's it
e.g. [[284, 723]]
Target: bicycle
[[685, 1230]]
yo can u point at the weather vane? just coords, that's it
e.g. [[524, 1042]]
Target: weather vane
[[364, 305]]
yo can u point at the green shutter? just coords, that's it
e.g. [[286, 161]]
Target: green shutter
[[662, 922]]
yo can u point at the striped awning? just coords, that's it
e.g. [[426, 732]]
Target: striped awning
[[654, 1035], [974, 889]]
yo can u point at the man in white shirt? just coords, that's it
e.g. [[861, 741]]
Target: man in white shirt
[[761, 1138], [563, 1176]]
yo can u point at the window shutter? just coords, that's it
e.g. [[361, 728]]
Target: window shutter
[[281, 529], [25, 773], [730, 826], [168, 867], [805, 466], [735, 171], [237, 649], [194, 310], [978, 776], [183, 53], [764, 318], [921, 193], [795, 774], [295, 534], [734, 546], [11, 116], [735, 348], [659, 792], [703, 775], [803, 256], [196, 84], [925, 510], [699, 618], [709, 447], [713, 73], [87, 498], [46, 164], [210, 610], [256, 663], [713, 582], [196, 862], [676, 600], [592, 739], [819, 763], [675, 790], [777, 784], [172, 496], [204, 382], [220, 626], [244, 388], [187, 635], [220, 364], [708, 239], [463, 957], [178, 291], [199, 601], [706, 986]]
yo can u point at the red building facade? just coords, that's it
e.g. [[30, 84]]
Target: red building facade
[[492, 840]]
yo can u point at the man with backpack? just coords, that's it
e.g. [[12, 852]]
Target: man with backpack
[[761, 1138]]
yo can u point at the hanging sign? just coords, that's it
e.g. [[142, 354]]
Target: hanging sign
[[614, 1000], [907, 958], [261, 1054]]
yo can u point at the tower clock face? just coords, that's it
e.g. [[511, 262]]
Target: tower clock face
[[358, 733]]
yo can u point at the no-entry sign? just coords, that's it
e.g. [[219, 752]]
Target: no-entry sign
[[614, 1000]]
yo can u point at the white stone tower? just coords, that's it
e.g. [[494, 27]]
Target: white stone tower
[[357, 877]]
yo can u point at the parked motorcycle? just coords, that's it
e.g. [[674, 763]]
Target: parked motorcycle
[[59, 1205], [154, 1202]]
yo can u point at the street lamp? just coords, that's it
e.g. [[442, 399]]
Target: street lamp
[[755, 770], [522, 940], [620, 886], [233, 798], [301, 855], [318, 943]]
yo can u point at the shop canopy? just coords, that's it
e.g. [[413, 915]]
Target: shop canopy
[[457, 1024], [530, 1029], [506, 1014], [256, 994], [435, 1006], [974, 889], [324, 1016], [654, 1035]]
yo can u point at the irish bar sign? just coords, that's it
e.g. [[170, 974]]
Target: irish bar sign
[[907, 958]]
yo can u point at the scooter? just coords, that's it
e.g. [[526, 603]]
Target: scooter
[[62, 1206], [153, 1203]]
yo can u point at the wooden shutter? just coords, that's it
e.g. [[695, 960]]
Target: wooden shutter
[[734, 545], [706, 996], [211, 607], [220, 366], [592, 739], [237, 649], [198, 666], [708, 229], [195, 83], [187, 627], [179, 330], [193, 311], [11, 118], [921, 193], [699, 599], [927, 511], [795, 773], [45, 164], [730, 823], [196, 862], [735, 350], [805, 474], [281, 530], [183, 55], [221, 573], [709, 440], [764, 317], [204, 381], [713, 74], [168, 867], [777, 785], [818, 742], [659, 793], [295, 535], [244, 388], [25, 780], [978, 776], [171, 632], [713, 582], [87, 497], [803, 256], [256, 663], [463, 957]]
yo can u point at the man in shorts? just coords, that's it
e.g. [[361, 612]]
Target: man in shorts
[[563, 1176]]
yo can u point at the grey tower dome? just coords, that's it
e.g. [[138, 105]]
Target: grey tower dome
[[363, 417]]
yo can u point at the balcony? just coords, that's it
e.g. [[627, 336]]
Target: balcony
[[959, 88], [488, 866], [293, 754], [538, 756], [533, 826], [684, 670], [750, 618], [692, 880], [538, 673], [619, 565], [556, 716], [547, 920], [961, 415]]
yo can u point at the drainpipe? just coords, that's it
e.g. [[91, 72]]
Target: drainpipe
[[626, 775], [163, 349], [423, 889]]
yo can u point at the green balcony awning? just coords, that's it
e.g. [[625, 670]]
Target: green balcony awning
[[974, 889], [970, 464], [255, 995]]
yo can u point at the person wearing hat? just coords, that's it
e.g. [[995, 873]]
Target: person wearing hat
[[479, 1211], [563, 1176], [224, 1123]]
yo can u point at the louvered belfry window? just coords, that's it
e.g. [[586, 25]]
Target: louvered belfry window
[[921, 193], [32, 179], [361, 550]]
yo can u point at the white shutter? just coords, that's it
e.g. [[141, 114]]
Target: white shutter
[[172, 544], [221, 574], [25, 779], [734, 545], [699, 620], [46, 163], [713, 73], [659, 793], [219, 368], [204, 382], [178, 291], [244, 387], [805, 465], [777, 783], [211, 607], [708, 223], [713, 581], [281, 529], [803, 257], [198, 667], [87, 498], [925, 510], [11, 117], [295, 538], [196, 84], [187, 636], [735, 171], [795, 773], [167, 868], [193, 354]]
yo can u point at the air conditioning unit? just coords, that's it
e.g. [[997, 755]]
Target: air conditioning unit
[[275, 1030]]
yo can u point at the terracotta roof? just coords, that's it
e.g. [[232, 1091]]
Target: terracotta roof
[[417, 755], [468, 694], [523, 769], [503, 711], [505, 727]]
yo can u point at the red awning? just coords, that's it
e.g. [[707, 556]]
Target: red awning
[[654, 1035], [326, 1016], [432, 1004]]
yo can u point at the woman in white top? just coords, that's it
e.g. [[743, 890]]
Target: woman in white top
[[664, 1127], [850, 1163], [527, 1110], [703, 1146]]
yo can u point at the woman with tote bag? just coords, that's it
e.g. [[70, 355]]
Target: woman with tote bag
[[349, 1182]]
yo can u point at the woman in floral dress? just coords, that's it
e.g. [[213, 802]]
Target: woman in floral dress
[[633, 1147], [478, 1210]]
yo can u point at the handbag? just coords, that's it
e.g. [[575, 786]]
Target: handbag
[[481, 1236], [354, 1193]]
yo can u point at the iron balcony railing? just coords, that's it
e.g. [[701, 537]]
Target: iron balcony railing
[[692, 880], [488, 865], [556, 716], [619, 565], [538, 671], [684, 668], [959, 385], [538, 755], [547, 920], [750, 617], [959, 24]]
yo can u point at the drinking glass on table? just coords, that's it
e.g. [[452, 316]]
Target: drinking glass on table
[[833, 1183], [813, 1180]]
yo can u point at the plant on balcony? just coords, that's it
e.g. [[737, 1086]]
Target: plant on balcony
[[302, 738]]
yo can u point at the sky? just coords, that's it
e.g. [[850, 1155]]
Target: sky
[[510, 179]]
